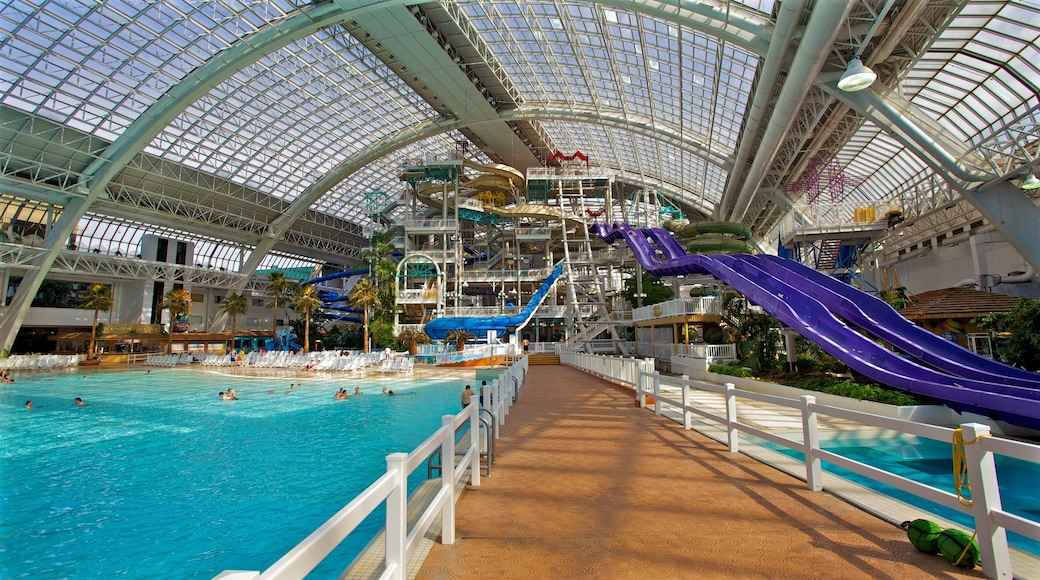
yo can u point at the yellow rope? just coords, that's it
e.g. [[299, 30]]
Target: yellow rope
[[968, 547], [960, 466]]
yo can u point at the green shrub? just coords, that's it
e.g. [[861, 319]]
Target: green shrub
[[731, 370], [863, 392]]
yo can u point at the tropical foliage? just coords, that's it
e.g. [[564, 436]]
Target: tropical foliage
[[365, 296], [98, 298], [178, 302], [459, 337], [655, 289], [233, 305], [1022, 326], [306, 302], [411, 339], [896, 297], [755, 333], [277, 286]]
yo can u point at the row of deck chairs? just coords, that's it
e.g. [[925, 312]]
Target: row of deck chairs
[[397, 365], [169, 360], [354, 362], [323, 361], [39, 362], [216, 360]]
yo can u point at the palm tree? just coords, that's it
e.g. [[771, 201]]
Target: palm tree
[[459, 336], [306, 301], [276, 287], [293, 288], [412, 338], [98, 298], [178, 302], [233, 305], [364, 296]]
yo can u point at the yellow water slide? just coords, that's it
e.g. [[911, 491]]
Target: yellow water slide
[[497, 178]]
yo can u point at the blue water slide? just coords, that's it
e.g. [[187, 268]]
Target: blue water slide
[[438, 328], [881, 320], [274, 345], [1014, 404], [345, 274]]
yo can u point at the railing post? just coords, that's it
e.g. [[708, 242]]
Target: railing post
[[985, 497], [657, 393], [448, 480], [811, 439], [474, 437], [640, 393], [686, 418], [731, 418], [397, 516]]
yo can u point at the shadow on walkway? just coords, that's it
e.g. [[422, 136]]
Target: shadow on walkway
[[588, 485]]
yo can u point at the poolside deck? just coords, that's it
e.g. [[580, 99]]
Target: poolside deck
[[587, 485]]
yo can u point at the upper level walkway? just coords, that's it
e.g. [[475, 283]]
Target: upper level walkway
[[587, 485]]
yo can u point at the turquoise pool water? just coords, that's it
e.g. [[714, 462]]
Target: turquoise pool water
[[159, 478], [931, 462]]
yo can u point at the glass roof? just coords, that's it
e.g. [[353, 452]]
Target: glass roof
[[980, 73], [302, 110], [581, 55]]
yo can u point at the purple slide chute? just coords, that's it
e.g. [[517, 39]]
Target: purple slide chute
[[656, 252]]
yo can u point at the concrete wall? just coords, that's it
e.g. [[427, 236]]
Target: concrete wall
[[986, 256]]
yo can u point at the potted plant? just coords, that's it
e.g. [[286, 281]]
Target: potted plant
[[412, 339], [459, 336]]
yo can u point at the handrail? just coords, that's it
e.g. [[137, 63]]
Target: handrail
[[487, 423], [991, 521], [392, 488]]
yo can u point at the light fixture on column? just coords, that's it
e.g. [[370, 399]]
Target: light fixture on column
[[857, 76], [1031, 182]]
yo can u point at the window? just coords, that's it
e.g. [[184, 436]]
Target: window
[[258, 302]]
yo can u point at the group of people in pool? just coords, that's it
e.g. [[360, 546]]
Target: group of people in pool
[[230, 395], [78, 402], [342, 394]]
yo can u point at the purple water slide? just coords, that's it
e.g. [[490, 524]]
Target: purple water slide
[[814, 321], [878, 318]]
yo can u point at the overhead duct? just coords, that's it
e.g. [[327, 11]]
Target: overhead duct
[[964, 236], [1026, 276], [907, 256]]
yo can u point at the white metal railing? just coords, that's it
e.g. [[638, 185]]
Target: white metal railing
[[503, 393], [842, 215], [430, 224], [679, 307], [473, 352], [392, 488], [709, 352], [991, 520]]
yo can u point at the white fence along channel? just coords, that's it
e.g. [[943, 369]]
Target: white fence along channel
[[392, 488], [991, 521]]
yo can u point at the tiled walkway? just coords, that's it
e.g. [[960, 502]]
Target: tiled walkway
[[588, 486]]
